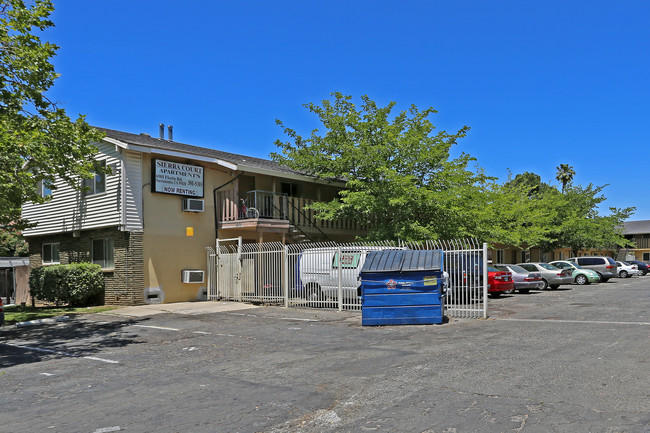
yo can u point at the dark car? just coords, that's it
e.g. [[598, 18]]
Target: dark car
[[643, 266]]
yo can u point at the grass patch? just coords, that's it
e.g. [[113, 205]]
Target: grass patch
[[16, 313]]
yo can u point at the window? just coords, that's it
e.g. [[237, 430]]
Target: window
[[500, 256], [51, 254], [561, 255], [290, 189], [96, 184], [44, 188], [103, 253], [646, 257]]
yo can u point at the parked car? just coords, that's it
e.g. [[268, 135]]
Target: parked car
[[551, 276], [644, 268], [524, 280], [605, 266], [626, 270], [580, 275], [499, 281]]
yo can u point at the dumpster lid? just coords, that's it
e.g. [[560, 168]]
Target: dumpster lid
[[403, 261]]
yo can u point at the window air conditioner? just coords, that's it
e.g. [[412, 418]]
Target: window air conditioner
[[192, 276], [193, 205]]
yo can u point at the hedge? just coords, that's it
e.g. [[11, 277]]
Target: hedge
[[76, 284]]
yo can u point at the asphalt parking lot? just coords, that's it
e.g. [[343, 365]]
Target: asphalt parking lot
[[569, 360]]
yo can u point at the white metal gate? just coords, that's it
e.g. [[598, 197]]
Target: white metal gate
[[326, 275]]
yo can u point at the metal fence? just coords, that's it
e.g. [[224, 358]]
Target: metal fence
[[326, 275]]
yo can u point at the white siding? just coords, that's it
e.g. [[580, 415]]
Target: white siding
[[132, 190], [69, 210]]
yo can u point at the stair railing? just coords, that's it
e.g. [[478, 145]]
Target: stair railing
[[305, 217]]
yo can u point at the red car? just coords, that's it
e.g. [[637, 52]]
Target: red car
[[499, 282]]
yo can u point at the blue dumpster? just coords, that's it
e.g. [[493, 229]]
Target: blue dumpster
[[402, 287]]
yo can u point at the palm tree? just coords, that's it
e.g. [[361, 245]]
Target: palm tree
[[565, 175]]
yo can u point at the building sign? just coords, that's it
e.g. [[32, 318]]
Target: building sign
[[176, 178]]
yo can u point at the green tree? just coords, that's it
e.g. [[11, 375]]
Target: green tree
[[12, 244], [579, 224], [38, 141], [564, 175], [541, 216], [400, 179]]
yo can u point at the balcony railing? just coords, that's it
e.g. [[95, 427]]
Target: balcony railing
[[234, 206]]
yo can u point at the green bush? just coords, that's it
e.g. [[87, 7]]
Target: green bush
[[77, 284]]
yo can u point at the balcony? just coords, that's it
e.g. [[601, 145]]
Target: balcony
[[274, 212]]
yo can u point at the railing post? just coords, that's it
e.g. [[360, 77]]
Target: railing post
[[285, 276], [485, 281], [338, 250]]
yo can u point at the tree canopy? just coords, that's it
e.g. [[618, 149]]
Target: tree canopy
[[38, 141], [400, 179]]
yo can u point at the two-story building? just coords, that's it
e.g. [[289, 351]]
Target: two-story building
[[147, 223], [639, 233]]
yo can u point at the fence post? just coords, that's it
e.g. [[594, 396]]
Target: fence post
[[338, 250], [285, 276], [485, 281]]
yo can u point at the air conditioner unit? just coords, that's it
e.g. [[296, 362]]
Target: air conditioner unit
[[193, 205], [192, 276]]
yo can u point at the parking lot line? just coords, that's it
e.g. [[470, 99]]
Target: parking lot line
[[164, 328], [597, 322]]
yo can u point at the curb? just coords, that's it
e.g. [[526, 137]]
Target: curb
[[48, 321]]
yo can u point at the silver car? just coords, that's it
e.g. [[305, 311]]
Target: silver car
[[525, 280], [552, 276]]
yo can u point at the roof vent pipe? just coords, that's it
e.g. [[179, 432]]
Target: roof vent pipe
[[161, 131], [170, 135]]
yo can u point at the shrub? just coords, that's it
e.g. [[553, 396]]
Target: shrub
[[76, 284]]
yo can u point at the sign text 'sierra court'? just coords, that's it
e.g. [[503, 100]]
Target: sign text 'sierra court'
[[176, 178]]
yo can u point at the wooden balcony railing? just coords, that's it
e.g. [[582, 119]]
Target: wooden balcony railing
[[234, 206]]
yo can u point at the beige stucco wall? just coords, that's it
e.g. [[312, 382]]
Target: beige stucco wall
[[167, 248]]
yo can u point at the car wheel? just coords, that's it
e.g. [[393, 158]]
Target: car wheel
[[314, 293], [554, 286], [494, 295], [545, 286], [524, 290], [604, 280], [581, 280], [623, 274]]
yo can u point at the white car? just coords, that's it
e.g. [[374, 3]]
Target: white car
[[626, 270]]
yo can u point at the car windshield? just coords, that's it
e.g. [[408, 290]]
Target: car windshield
[[518, 269], [567, 265], [493, 269], [502, 268], [549, 267]]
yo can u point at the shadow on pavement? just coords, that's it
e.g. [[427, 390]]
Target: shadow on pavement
[[75, 338]]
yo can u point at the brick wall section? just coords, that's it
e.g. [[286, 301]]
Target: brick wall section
[[125, 283]]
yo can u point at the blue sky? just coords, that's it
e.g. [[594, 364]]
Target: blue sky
[[539, 83]]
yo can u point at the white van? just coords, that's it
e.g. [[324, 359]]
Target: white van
[[318, 271]]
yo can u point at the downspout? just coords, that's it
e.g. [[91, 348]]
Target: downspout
[[214, 197]]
